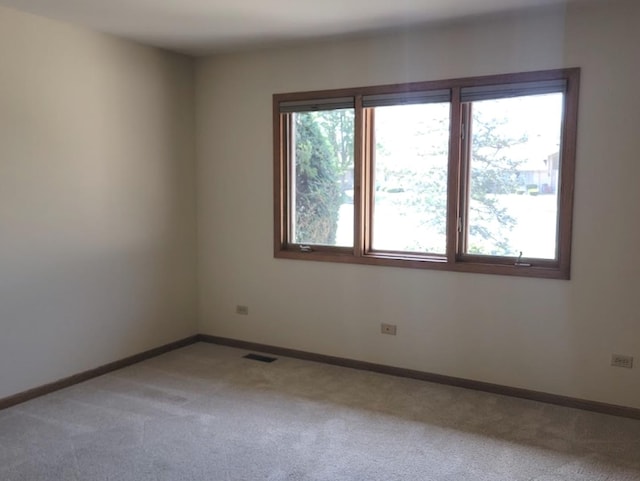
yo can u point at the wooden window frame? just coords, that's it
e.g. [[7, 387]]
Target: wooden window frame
[[455, 259]]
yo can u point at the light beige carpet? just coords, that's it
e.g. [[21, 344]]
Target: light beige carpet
[[205, 413]]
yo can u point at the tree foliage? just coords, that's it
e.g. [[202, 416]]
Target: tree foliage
[[318, 194], [494, 171], [337, 125]]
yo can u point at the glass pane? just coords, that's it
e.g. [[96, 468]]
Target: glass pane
[[322, 167], [514, 172], [410, 178]]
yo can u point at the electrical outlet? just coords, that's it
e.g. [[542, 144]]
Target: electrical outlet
[[242, 310], [620, 360], [388, 329]]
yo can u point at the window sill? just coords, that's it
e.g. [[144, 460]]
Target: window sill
[[424, 262]]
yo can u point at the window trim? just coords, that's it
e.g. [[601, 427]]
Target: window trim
[[455, 259]]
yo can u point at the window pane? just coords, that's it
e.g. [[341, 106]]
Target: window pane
[[323, 171], [514, 173], [410, 178]]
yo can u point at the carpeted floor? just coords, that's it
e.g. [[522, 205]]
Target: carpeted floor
[[205, 413]]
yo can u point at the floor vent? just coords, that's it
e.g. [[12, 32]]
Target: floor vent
[[259, 357]]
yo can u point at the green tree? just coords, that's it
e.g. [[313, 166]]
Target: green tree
[[318, 192], [338, 126]]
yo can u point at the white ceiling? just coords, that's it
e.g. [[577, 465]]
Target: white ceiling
[[206, 26]]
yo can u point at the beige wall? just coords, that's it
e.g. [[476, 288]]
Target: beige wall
[[97, 203], [553, 336]]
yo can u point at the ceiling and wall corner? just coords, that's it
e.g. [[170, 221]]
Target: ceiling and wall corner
[[202, 27]]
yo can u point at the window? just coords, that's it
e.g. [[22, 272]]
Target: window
[[470, 175]]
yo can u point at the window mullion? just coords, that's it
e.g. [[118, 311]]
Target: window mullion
[[454, 177], [359, 188], [465, 179], [282, 180], [369, 164], [290, 177], [367, 142]]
